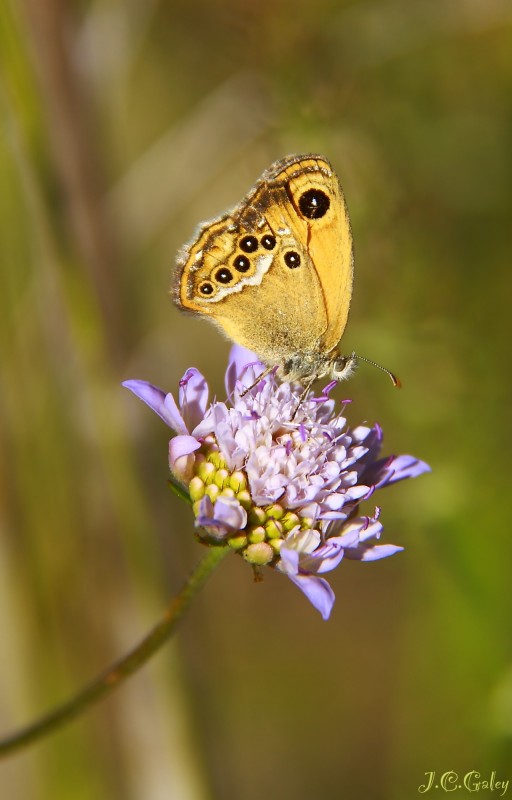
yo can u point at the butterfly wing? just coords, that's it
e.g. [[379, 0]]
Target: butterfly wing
[[259, 272], [317, 197]]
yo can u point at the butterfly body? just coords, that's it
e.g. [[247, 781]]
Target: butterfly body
[[275, 273]]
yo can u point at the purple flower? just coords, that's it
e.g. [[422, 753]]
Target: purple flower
[[281, 483]]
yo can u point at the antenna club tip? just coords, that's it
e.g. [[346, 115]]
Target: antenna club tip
[[397, 383]]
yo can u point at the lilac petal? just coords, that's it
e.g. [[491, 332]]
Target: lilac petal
[[371, 529], [301, 553], [356, 492], [350, 538], [372, 553], [224, 516], [245, 372], [331, 516], [179, 448], [229, 511], [163, 404], [318, 592], [325, 559], [297, 545], [181, 457], [289, 563], [334, 501], [407, 467], [193, 397], [395, 468], [362, 433], [205, 512], [206, 519], [239, 358], [379, 551], [371, 440]]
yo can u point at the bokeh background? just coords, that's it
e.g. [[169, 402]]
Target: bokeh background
[[124, 124]]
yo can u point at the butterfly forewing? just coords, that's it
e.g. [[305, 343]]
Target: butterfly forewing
[[275, 274]]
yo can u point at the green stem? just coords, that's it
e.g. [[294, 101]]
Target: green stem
[[116, 674]]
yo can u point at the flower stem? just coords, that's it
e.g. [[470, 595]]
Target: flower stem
[[118, 672]]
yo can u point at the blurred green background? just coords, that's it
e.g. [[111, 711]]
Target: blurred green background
[[124, 124]]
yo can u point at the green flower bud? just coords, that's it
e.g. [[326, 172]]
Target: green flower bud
[[275, 511], [257, 516], [259, 554], [238, 481], [213, 491], [196, 488], [221, 477], [273, 529], [238, 542], [206, 471], [245, 499], [256, 534], [290, 521], [217, 459]]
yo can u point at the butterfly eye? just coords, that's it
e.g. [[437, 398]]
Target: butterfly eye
[[248, 244], [206, 288], [223, 275], [292, 259], [314, 204], [242, 263], [268, 242]]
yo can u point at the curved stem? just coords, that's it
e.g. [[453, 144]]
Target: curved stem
[[118, 672]]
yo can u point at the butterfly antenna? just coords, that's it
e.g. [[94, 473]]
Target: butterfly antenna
[[397, 383]]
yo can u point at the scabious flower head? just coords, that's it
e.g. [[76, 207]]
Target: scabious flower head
[[278, 481]]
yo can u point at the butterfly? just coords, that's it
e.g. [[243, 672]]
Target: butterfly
[[275, 273]]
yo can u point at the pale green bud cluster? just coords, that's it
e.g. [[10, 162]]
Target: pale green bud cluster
[[260, 541]]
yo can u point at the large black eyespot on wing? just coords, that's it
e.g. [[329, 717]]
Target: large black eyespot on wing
[[268, 241], [223, 275], [314, 204], [292, 259], [248, 244], [242, 264]]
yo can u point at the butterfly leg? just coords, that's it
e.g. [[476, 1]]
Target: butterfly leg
[[303, 395], [260, 377]]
